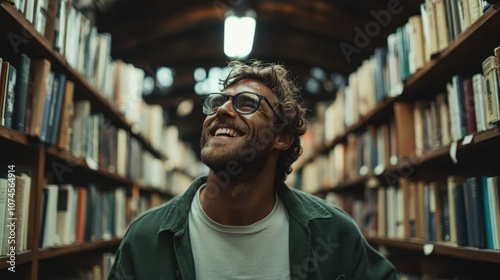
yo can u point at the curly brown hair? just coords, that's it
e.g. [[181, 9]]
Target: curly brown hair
[[291, 110]]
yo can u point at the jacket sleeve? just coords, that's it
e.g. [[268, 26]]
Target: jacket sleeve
[[122, 268], [370, 264]]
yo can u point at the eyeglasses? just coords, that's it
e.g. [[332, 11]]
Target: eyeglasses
[[244, 103]]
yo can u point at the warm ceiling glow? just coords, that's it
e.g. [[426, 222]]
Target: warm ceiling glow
[[185, 107], [238, 34]]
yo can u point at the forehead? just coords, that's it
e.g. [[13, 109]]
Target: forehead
[[252, 86]]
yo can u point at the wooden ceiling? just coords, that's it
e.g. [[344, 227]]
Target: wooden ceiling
[[187, 34]]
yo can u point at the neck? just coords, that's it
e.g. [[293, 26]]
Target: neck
[[240, 200]]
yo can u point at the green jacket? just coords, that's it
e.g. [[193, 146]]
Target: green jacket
[[324, 242]]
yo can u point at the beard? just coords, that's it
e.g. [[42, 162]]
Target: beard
[[250, 155]]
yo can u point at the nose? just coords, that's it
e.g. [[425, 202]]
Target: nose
[[226, 108]]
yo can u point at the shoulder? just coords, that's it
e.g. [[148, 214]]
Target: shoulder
[[150, 221], [170, 216], [331, 214]]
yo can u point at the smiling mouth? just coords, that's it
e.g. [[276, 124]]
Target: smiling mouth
[[227, 132]]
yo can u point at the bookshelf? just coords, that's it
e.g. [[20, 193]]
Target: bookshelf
[[45, 163], [472, 155]]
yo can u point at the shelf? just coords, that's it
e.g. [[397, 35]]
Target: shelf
[[440, 249], [72, 161], [37, 46], [21, 258], [48, 253], [481, 143], [8, 135], [150, 189], [457, 58], [463, 56]]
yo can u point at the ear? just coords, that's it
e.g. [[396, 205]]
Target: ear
[[283, 140]]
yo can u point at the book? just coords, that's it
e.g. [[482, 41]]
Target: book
[[419, 126], [41, 72], [4, 79], [494, 210], [444, 119], [405, 131], [40, 20], [416, 43], [491, 89], [64, 130], [49, 236], [8, 109], [479, 102], [81, 213], [497, 56], [22, 85], [474, 196], [474, 10], [55, 115], [432, 38], [66, 214], [461, 226], [449, 19], [3, 209], [470, 107], [25, 210], [47, 108], [50, 19], [441, 25]]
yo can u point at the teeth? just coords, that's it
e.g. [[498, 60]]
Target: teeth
[[226, 131]]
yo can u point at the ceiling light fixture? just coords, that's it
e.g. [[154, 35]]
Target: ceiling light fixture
[[239, 31]]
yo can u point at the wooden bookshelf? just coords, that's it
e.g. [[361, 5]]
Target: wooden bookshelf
[[439, 249], [474, 155], [21, 258], [48, 253], [482, 143], [19, 149], [39, 46], [150, 189], [10, 136], [73, 161], [461, 56]]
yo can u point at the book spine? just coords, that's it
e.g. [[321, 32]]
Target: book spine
[[460, 215], [491, 89], [10, 97], [470, 110], [497, 56], [21, 93], [477, 87]]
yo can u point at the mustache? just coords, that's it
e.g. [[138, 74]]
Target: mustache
[[228, 122]]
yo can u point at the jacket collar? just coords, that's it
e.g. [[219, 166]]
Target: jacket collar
[[302, 208]]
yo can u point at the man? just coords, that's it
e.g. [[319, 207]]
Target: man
[[241, 221]]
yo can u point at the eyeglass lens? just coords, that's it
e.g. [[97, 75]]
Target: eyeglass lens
[[243, 103]]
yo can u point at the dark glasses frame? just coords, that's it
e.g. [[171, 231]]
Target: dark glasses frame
[[210, 111]]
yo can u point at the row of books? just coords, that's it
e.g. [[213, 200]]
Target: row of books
[[31, 98], [467, 104], [95, 139], [408, 49], [81, 213], [39, 102], [459, 211], [15, 189], [75, 37], [181, 156], [445, 20]]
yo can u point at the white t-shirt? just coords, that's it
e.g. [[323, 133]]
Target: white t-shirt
[[257, 251]]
